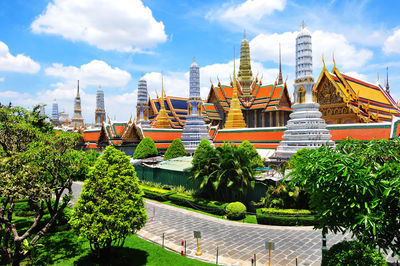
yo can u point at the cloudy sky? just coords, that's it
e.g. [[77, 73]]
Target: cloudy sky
[[47, 45]]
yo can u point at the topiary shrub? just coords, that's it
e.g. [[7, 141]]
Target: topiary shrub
[[204, 146], [145, 149], [175, 150], [352, 253], [235, 210]]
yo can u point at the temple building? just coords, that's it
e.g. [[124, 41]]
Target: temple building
[[77, 119], [100, 112], [261, 105], [345, 100], [306, 128], [194, 129]]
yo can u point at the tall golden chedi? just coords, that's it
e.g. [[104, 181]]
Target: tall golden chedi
[[235, 117], [245, 76], [162, 117]]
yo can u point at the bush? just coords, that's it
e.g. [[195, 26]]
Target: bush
[[175, 150], [111, 205], [352, 253], [204, 146], [145, 149], [156, 193], [252, 151], [288, 219], [281, 195], [236, 211]]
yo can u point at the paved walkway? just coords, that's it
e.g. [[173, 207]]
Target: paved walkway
[[237, 242]]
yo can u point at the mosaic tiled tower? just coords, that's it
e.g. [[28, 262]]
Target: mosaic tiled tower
[[306, 128], [142, 105], [195, 129], [245, 76], [100, 112], [162, 117], [77, 119]]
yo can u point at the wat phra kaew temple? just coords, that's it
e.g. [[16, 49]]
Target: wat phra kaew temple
[[334, 107]]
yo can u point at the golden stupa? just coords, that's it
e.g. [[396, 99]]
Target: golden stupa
[[235, 117], [162, 117]]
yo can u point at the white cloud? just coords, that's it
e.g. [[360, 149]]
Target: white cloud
[[357, 75], [96, 72], [18, 63], [2, 79], [254, 9], [122, 25], [246, 14], [265, 47], [391, 44]]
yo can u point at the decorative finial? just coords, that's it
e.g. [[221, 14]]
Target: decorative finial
[[234, 65], [323, 60], [244, 34], [303, 25], [333, 58], [387, 79], [194, 59], [377, 77], [78, 86], [99, 87]]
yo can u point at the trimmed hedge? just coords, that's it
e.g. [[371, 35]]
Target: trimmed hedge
[[145, 149], [213, 207], [156, 193], [275, 219], [236, 211], [175, 150], [287, 212], [352, 253]]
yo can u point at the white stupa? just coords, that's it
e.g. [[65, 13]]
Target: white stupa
[[306, 128]]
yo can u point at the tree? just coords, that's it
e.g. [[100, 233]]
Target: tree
[[111, 205], [145, 149], [355, 187], [28, 150], [175, 150], [252, 151], [203, 146], [225, 173]]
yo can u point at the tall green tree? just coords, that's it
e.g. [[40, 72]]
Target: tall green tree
[[29, 152], [111, 205], [225, 173], [252, 151], [175, 150], [355, 187]]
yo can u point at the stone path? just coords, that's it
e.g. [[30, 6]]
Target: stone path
[[237, 242]]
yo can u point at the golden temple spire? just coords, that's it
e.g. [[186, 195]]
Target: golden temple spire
[[245, 76], [235, 117], [162, 117]]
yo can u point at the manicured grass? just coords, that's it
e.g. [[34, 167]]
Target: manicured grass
[[136, 251]]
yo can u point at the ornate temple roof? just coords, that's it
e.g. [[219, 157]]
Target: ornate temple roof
[[370, 102], [266, 97], [177, 110]]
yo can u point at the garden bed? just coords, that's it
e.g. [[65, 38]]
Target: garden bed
[[288, 217]]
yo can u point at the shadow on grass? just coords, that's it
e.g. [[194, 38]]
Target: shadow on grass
[[117, 256], [55, 247]]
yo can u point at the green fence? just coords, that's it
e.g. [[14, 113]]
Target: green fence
[[179, 178]]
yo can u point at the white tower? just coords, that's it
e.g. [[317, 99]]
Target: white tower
[[306, 128], [54, 114], [100, 113], [142, 105]]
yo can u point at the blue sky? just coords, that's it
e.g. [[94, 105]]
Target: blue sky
[[45, 46]]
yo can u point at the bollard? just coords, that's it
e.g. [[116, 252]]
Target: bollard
[[255, 260], [216, 260], [324, 232], [163, 240], [185, 247], [252, 262], [182, 247], [296, 260]]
